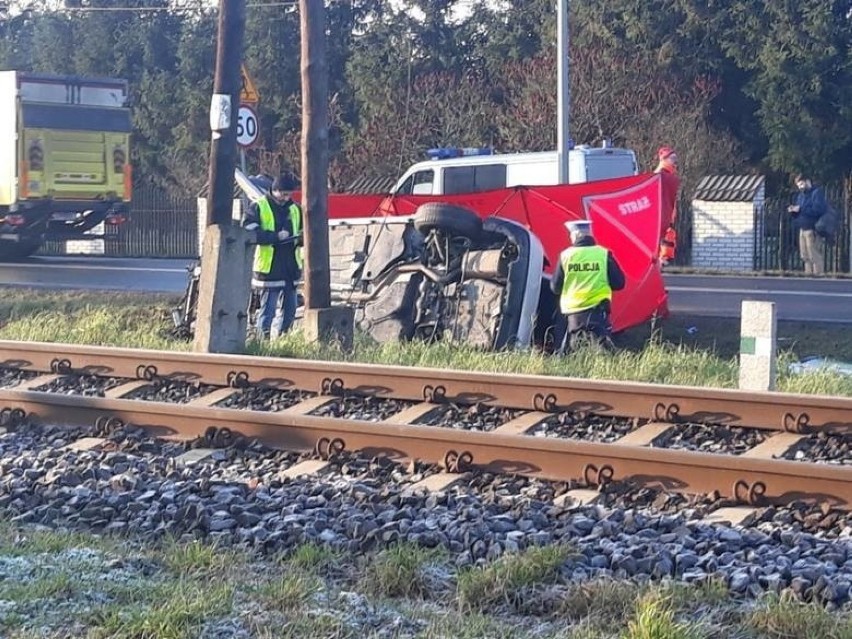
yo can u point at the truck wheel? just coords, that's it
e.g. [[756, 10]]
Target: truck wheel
[[11, 251], [448, 218]]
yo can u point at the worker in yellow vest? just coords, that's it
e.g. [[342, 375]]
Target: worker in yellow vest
[[584, 280], [277, 257]]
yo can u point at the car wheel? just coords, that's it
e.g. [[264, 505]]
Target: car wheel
[[448, 218]]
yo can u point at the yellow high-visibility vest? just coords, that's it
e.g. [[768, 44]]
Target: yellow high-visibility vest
[[585, 283], [263, 254]]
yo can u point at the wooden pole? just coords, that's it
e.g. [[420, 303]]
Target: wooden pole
[[223, 288], [226, 96], [315, 154]]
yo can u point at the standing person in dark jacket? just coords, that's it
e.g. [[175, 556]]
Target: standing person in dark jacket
[[809, 207], [277, 258], [584, 279]]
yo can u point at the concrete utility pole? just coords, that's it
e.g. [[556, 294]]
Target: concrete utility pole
[[321, 321], [224, 286], [563, 102]]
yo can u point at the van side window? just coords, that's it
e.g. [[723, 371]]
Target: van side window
[[470, 179], [419, 183]]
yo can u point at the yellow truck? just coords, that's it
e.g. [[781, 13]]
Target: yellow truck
[[64, 158]]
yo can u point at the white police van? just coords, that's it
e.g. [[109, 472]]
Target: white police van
[[469, 170]]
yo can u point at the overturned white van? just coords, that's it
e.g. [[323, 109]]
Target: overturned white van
[[470, 170]]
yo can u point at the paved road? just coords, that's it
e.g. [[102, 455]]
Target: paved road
[[796, 298], [806, 299], [123, 274]]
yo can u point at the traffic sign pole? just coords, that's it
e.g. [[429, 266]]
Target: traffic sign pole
[[247, 116]]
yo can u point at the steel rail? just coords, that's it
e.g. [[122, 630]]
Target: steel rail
[[765, 410], [748, 480]]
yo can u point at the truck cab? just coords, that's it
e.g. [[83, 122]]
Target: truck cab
[[469, 170]]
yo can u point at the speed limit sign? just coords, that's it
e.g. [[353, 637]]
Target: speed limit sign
[[246, 126]]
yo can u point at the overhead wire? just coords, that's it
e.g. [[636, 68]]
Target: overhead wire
[[250, 5]]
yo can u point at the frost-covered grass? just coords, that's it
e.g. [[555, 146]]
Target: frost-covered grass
[[55, 584]]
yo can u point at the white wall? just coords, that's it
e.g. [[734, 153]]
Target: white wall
[[723, 234]]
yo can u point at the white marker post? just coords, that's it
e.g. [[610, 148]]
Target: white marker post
[[758, 346]]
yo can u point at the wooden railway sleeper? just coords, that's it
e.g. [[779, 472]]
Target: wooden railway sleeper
[[458, 463], [751, 494], [326, 448], [598, 477], [799, 424]]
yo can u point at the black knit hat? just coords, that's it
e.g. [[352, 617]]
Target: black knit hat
[[283, 183]]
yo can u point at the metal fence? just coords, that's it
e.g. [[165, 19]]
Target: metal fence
[[162, 225], [776, 240], [683, 228]]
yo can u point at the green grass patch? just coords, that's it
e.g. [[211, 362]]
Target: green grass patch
[[502, 580], [197, 558], [290, 591], [721, 336], [399, 571], [471, 625], [48, 585], [312, 558], [691, 351], [104, 319], [16, 541], [605, 602], [785, 618], [173, 610], [710, 592], [655, 619], [314, 625]]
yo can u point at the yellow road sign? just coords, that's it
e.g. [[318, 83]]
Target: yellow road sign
[[248, 92]]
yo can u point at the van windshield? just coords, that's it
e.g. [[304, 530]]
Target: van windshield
[[419, 183]]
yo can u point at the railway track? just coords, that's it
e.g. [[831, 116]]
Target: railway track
[[767, 448]]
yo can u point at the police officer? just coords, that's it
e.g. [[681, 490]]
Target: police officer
[[277, 257], [584, 280]]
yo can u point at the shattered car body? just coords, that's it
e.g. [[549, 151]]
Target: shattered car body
[[442, 274]]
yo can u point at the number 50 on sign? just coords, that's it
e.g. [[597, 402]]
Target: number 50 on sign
[[247, 127]]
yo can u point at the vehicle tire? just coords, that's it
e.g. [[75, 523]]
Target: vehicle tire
[[13, 251], [448, 218]]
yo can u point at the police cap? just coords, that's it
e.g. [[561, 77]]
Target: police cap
[[583, 227]]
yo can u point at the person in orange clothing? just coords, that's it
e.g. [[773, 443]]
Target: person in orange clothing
[[667, 169]]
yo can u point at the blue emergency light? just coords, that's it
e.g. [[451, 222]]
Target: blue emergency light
[[443, 153]]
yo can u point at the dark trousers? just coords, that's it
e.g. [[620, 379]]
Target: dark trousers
[[276, 311], [591, 325]]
